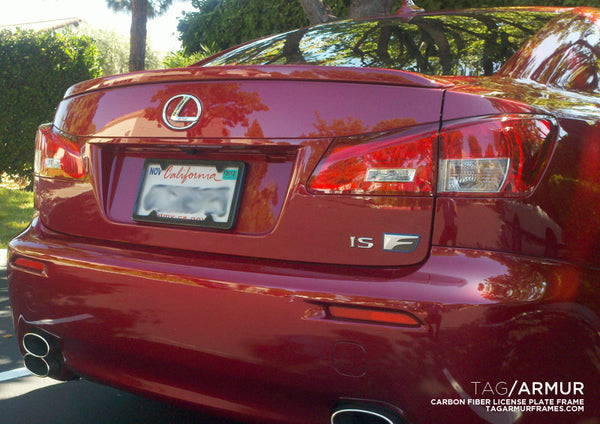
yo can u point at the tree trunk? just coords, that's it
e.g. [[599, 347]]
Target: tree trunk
[[367, 8], [137, 48], [317, 11], [291, 49]]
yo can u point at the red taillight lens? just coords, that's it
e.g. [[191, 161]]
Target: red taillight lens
[[387, 165], [57, 155], [506, 154]]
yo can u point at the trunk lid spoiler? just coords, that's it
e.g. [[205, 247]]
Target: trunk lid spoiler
[[263, 72]]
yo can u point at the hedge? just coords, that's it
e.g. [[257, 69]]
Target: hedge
[[224, 23], [35, 71]]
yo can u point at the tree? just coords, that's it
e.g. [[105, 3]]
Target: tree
[[35, 71], [113, 50], [320, 11], [225, 23], [317, 11], [141, 10], [180, 59]]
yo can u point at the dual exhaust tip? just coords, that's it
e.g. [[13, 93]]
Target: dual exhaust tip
[[364, 414], [43, 358]]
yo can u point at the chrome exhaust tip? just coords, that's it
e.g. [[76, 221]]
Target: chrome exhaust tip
[[36, 345], [43, 357], [36, 365], [364, 414]]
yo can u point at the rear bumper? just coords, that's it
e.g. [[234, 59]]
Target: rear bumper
[[255, 339]]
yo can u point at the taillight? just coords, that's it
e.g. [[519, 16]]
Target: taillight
[[505, 155], [396, 164], [56, 154], [500, 155]]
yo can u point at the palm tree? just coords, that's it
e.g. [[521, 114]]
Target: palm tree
[[141, 10]]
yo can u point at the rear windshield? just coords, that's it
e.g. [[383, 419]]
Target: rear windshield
[[469, 44]]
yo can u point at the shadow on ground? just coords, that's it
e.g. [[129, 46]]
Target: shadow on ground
[[10, 357], [85, 402]]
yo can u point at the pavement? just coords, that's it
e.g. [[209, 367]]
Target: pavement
[[10, 358], [27, 399]]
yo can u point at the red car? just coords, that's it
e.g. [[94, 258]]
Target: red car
[[392, 220]]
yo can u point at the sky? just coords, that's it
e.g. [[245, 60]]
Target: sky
[[162, 31]]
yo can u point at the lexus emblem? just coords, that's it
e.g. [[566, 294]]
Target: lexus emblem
[[182, 112]]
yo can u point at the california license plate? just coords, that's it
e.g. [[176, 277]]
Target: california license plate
[[198, 193]]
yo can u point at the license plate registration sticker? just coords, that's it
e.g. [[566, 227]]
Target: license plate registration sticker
[[197, 193]]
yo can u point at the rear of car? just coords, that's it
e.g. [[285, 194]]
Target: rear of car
[[350, 221]]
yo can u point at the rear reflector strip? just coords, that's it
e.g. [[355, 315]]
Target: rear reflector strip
[[29, 264], [376, 316]]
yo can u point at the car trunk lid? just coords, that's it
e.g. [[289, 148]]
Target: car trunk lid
[[273, 127]]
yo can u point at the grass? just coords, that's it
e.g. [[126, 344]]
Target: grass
[[16, 210]]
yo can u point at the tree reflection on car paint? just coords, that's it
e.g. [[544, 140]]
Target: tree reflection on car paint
[[473, 44]]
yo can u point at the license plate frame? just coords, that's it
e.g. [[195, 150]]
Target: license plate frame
[[197, 193]]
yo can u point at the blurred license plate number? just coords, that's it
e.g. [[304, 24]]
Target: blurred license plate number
[[198, 193]]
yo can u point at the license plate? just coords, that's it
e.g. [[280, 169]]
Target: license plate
[[197, 193]]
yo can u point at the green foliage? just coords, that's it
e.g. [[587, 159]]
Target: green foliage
[[155, 7], [180, 59], [35, 71], [153, 59], [226, 23], [16, 211], [113, 49]]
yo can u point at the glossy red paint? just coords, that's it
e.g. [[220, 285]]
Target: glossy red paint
[[241, 320], [285, 73], [252, 322], [242, 121], [250, 109]]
